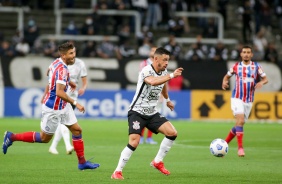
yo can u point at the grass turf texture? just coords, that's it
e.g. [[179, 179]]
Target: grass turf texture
[[189, 160]]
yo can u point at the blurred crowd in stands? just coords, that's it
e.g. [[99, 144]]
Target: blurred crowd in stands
[[158, 18]]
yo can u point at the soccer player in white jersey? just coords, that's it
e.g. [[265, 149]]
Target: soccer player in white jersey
[[246, 72], [77, 71], [56, 109], [149, 61], [152, 82]]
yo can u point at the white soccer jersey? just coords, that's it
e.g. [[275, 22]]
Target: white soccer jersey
[[77, 70], [146, 96]]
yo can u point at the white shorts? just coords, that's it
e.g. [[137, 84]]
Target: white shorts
[[240, 107], [51, 118]]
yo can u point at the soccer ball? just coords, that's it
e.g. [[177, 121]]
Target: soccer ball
[[218, 147]]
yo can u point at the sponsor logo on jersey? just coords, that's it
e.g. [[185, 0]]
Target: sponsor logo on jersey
[[148, 110]]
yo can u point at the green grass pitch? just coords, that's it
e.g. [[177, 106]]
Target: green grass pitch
[[189, 160]]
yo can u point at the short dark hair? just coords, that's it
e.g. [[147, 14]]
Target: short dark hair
[[162, 51], [247, 47], [63, 48]]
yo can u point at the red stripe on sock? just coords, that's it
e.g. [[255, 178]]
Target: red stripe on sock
[[229, 137], [79, 149], [25, 137], [240, 136]]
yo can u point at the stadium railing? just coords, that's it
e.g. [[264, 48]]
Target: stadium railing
[[59, 15], [60, 12], [98, 38], [183, 40], [20, 11], [206, 15]]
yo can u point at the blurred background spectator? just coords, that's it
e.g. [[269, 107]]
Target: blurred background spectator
[[210, 29], [146, 33], [6, 49], [153, 14], [126, 50], [50, 49], [246, 12], [31, 33], [145, 48], [218, 53], [260, 41], [173, 47], [123, 34], [22, 48], [118, 20], [89, 27], [235, 53], [271, 54], [176, 26], [194, 54], [107, 49], [71, 29], [258, 24], [89, 49], [222, 9]]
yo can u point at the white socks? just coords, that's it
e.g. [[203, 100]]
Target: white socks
[[126, 153], [57, 137], [164, 148], [124, 157], [66, 136]]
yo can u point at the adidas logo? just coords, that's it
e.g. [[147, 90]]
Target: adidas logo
[[7, 142]]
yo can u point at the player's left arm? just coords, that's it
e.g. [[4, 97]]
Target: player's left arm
[[81, 91], [154, 81], [83, 76], [263, 78], [262, 82], [169, 103]]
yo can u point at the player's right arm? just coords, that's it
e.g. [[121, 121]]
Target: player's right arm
[[46, 88], [230, 73], [45, 92], [60, 92], [225, 82], [155, 81]]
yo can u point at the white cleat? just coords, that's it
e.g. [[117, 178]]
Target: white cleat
[[53, 151], [69, 151]]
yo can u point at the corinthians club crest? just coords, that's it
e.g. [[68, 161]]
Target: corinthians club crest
[[136, 125]]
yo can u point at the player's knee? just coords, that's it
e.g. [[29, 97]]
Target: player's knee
[[76, 132], [172, 133], [134, 140], [134, 144], [241, 121], [171, 137], [45, 139]]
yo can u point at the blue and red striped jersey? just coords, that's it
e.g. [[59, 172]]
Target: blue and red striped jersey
[[58, 73], [246, 78]]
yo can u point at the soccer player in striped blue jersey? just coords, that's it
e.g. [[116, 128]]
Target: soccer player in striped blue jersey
[[56, 109], [77, 71], [249, 76]]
